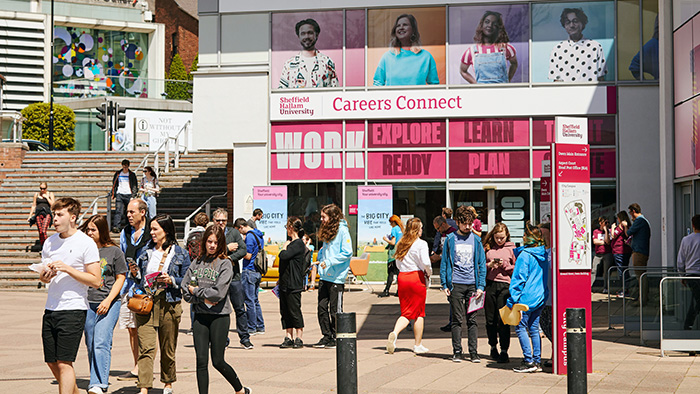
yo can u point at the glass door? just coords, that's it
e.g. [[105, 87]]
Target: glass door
[[512, 207]]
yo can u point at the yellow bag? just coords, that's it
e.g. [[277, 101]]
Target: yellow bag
[[512, 316]]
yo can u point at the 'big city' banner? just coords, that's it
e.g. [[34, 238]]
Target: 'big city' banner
[[374, 208], [273, 202]]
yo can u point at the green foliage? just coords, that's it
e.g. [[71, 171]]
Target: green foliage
[[175, 89], [36, 125], [194, 67]]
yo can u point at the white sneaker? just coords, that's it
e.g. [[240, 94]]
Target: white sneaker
[[420, 349], [391, 343], [95, 390], [167, 391]]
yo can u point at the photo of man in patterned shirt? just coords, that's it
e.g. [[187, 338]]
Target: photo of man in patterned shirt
[[309, 68], [577, 59]]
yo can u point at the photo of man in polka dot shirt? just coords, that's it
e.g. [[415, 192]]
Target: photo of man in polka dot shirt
[[577, 59]]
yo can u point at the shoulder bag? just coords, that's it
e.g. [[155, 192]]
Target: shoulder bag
[[142, 304]]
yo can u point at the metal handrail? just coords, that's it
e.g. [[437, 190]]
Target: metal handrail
[[165, 148], [641, 287], [93, 207], [207, 208], [17, 120]]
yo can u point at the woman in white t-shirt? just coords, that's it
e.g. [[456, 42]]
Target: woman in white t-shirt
[[150, 188], [413, 261], [159, 269]]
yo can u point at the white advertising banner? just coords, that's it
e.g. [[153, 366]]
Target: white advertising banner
[[158, 124], [574, 226], [426, 103]]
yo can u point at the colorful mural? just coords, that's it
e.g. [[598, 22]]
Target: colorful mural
[[90, 62]]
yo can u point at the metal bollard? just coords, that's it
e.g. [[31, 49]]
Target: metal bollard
[[576, 351], [346, 353]]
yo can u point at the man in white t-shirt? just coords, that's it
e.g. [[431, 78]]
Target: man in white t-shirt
[[72, 264]]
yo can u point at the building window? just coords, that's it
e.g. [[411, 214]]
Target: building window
[[174, 43]]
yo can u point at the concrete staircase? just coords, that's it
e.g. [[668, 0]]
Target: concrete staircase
[[85, 176]]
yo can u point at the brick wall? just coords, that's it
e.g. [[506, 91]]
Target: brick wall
[[11, 156], [184, 26]]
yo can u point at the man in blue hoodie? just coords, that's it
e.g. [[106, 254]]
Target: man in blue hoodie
[[250, 278], [333, 266], [463, 276]]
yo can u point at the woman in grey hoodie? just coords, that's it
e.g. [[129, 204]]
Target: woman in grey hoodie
[[205, 285]]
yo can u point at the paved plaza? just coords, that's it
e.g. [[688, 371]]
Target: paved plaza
[[620, 365]]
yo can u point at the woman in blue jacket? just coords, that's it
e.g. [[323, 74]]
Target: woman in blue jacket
[[159, 270], [334, 264], [528, 286], [463, 276]]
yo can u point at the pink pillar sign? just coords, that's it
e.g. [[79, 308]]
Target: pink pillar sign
[[571, 235]]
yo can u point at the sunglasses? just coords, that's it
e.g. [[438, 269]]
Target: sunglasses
[[220, 220], [42, 188]]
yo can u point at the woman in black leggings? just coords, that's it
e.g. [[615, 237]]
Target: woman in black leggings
[[205, 285]]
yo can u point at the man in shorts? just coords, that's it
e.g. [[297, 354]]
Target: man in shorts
[[72, 264]]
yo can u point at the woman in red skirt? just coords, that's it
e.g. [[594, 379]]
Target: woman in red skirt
[[413, 262]]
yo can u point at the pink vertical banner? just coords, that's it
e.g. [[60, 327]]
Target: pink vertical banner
[[355, 159]]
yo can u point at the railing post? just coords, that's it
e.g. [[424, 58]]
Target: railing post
[[156, 163], [109, 210], [177, 151], [167, 155], [187, 137]]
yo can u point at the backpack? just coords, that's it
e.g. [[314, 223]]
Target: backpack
[[261, 259], [194, 244]]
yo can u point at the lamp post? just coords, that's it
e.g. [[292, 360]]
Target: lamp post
[[51, 83]]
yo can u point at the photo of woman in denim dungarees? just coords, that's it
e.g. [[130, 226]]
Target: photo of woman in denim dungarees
[[491, 59]]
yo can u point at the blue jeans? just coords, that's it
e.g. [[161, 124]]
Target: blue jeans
[[622, 261], [237, 297], [151, 202], [120, 219], [98, 340], [251, 281], [529, 329]]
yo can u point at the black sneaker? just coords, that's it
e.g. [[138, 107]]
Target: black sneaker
[[383, 294], [457, 357], [330, 344], [446, 328], [538, 367], [298, 344], [287, 343], [503, 358], [547, 363], [494, 353], [525, 368], [247, 345], [475, 358], [321, 343]]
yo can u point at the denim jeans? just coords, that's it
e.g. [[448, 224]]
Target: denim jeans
[[237, 297], [120, 219], [151, 203], [98, 340], [529, 329], [251, 281], [459, 301]]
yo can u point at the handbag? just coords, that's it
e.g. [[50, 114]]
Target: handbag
[[142, 304]]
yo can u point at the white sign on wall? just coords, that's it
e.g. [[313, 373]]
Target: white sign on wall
[[159, 125], [571, 130]]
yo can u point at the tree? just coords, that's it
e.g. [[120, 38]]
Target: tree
[[194, 67], [36, 125], [177, 84]]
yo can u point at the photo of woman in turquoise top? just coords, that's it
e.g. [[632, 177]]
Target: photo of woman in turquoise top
[[406, 63]]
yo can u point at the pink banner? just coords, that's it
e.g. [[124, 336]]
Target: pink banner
[[307, 136], [306, 166], [406, 165], [601, 131], [270, 193], [418, 134], [572, 163], [489, 164], [489, 132]]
